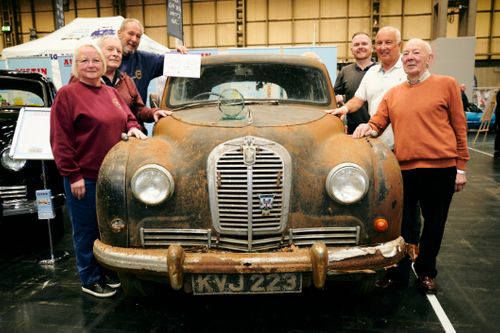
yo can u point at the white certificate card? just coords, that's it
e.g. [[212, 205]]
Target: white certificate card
[[182, 65], [31, 137]]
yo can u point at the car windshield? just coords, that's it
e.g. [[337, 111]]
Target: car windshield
[[257, 82]]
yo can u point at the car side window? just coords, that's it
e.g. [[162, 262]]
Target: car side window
[[18, 98]]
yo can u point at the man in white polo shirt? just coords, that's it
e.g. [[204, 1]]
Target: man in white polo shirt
[[379, 78]]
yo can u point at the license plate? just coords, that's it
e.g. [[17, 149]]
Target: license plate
[[274, 283]]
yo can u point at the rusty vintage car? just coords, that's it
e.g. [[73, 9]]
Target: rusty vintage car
[[249, 187]]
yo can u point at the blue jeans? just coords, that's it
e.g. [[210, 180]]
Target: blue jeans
[[85, 232]]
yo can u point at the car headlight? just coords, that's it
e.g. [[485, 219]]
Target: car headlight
[[347, 183], [152, 184], [9, 163]]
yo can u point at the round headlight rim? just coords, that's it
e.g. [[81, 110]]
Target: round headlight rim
[[337, 168], [160, 168], [4, 155]]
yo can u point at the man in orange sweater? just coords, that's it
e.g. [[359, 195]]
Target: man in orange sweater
[[430, 144]]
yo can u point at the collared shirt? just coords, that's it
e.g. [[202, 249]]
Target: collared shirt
[[422, 78], [112, 83], [373, 87], [347, 83]]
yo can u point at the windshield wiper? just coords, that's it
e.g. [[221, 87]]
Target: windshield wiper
[[264, 101], [190, 105]]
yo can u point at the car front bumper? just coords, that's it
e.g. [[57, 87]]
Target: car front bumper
[[26, 206], [318, 260]]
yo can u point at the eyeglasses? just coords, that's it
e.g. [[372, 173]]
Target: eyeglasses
[[86, 62]]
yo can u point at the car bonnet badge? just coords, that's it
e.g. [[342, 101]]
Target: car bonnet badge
[[266, 203], [249, 151]]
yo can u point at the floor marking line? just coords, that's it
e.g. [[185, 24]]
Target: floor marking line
[[438, 309], [481, 152], [443, 318]]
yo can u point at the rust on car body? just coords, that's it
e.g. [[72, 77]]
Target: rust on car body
[[263, 185]]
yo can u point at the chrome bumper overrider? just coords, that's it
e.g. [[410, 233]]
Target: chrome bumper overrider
[[318, 260]]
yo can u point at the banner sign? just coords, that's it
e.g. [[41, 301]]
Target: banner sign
[[65, 63], [40, 65], [174, 18]]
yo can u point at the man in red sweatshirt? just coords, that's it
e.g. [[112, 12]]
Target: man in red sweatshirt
[[430, 144]]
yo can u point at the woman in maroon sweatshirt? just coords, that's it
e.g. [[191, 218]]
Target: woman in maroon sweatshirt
[[87, 119]]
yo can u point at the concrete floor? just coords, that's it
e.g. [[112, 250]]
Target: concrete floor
[[34, 298]]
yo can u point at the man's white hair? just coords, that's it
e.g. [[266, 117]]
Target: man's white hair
[[425, 44], [396, 32]]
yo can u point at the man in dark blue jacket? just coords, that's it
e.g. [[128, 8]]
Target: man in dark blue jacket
[[142, 66]]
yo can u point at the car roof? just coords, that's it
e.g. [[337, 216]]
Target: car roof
[[262, 58], [24, 75]]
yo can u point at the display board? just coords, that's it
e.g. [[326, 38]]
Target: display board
[[32, 135]]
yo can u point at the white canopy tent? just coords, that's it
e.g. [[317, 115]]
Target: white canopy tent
[[64, 40]]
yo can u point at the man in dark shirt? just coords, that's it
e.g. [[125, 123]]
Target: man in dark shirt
[[350, 76], [142, 66]]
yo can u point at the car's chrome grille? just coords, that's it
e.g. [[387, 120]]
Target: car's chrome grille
[[331, 236], [232, 193], [249, 187], [18, 192], [164, 237]]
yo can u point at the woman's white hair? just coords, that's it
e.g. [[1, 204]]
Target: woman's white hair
[[76, 55]]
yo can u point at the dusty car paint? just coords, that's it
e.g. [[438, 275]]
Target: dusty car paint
[[179, 237]]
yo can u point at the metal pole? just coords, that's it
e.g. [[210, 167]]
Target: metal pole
[[44, 178]]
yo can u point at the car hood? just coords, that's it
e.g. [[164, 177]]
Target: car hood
[[254, 115]]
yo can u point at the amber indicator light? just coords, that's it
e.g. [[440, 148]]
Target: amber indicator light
[[380, 224]]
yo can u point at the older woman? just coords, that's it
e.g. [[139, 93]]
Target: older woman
[[111, 47], [87, 119]]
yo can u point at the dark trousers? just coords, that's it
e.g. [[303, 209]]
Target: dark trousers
[[433, 189], [85, 232]]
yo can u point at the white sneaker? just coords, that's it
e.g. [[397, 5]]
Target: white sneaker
[[112, 282]]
